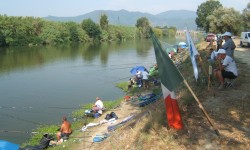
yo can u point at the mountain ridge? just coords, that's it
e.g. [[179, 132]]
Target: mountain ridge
[[178, 18]]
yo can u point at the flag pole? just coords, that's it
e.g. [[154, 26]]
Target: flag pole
[[202, 108]]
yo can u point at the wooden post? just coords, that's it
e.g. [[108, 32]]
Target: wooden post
[[205, 71], [209, 77], [202, 65]]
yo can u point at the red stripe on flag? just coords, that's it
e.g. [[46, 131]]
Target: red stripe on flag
[[173, 113]]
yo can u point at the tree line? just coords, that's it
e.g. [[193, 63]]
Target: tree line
[[214, 18], [17, 31]]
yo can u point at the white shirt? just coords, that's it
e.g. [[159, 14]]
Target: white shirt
[[230, 65], [169, 55], [139, 74], [145, 75], [99, 104], [213, 55]]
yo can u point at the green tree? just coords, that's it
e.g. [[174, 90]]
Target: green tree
[[143, 27], [104, 22], [224, 19], [158, 32], [91, 28], [73, 31], [246, 18], [204, 10]]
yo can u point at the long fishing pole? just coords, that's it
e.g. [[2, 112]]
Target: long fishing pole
[[55, 107], [113, 68], [33, 108], [25, 120], [26, 132], [14, 107], [125, 78], [33, 132]]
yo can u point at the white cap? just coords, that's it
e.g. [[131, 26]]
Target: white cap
[[221, 51], [227, 34]]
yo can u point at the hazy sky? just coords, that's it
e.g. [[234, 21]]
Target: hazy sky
[[43, 8]]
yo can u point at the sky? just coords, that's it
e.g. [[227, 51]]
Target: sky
[[66, 8]]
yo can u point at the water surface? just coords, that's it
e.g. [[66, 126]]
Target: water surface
[[39, 85]]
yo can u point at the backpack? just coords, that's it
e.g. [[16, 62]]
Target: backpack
[[44, 142], [113, 115], [108, 116]]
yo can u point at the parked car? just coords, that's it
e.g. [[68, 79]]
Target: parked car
[[210, 37], [245, 39]]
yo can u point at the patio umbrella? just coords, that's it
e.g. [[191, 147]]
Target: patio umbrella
[[5, 145], [139, 68]]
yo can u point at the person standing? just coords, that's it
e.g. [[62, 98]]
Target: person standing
[[145, 79], [65, 129], [139, 78], [229, 45]]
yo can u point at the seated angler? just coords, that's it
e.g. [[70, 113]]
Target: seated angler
[[98, 106], [227, 69], [65, 129]]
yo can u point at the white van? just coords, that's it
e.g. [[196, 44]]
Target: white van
[[245, 39]]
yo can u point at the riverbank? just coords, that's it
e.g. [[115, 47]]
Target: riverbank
[[148, 130]]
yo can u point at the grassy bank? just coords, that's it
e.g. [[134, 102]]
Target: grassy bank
[[78, 121]]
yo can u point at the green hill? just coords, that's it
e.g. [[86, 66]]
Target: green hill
[[177, 18]]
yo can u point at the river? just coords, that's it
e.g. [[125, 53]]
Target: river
[[38, 85]]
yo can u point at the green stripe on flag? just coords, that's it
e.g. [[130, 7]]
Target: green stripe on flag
[[169, 74]]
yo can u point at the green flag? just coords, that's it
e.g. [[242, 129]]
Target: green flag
[[169, 74]]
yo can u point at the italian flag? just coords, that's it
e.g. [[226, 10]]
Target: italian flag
[[170, 78]]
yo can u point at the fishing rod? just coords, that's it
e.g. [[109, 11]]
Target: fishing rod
[[125, 78], [25, 120], [55, 107], [126, 64], [13, 131], [25, 132], [30, 132], [14, 107], [74, 137], [113, 68], [34, 108]]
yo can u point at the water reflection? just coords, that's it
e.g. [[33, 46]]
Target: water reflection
[[143, 47]]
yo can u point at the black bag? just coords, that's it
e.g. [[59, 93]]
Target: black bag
[[108, 116], [44, 142], [113, 115]]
